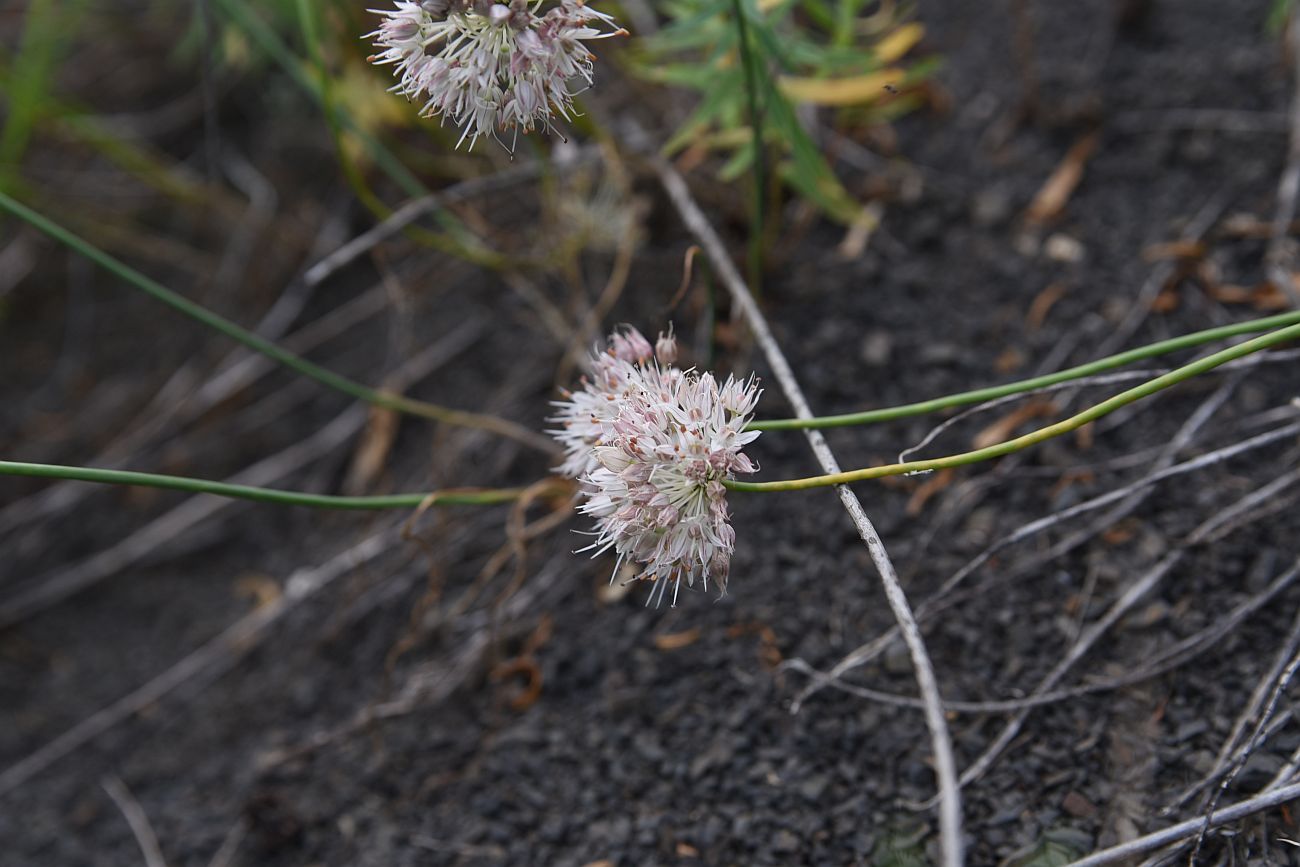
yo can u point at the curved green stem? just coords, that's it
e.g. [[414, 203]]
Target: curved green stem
[[1054, 430], [450, 497], [327, 377], [980, 395]]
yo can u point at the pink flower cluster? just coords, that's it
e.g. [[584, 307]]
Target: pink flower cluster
[[492, 66], [651, 444]]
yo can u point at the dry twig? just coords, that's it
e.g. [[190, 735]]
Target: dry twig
[[205, 664], [1136, 591], [945, 596], [1280, 248], [949, 797], [1248, 807], [137, 818]]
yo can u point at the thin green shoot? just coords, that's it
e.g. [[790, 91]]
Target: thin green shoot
[[255, 342], [448, 497], [966, 398], [1020, 443]]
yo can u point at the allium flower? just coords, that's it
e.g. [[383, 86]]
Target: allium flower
[[652, 446], [489, 66], [611, 377]]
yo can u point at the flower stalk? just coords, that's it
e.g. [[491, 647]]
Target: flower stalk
[[980, 395], [448, 497], [257, 343], [1020, 443]]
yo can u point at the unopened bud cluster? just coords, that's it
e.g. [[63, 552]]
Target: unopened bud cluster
[[488, 66], [651, 445]]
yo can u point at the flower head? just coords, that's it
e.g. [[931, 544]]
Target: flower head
[[652, 446], [611, 377], [489, 66]]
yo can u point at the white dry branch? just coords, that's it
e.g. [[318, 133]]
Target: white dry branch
[[1278, 685], [209, 661], [1166, 660], [1136, 591], [872, 649], [1280, 247], [423, 206], [949, 797], [138, 820], [1183, 830]]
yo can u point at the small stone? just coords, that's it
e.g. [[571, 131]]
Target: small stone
[[990, 207], [786, 842], [1063, 248], [939, 353], [1078, 806], [876, 348], [1026, 244], [718, 754], [1190, 729], [813, 787]]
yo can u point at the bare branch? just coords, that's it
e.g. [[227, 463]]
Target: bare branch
[[941, 741], [137, 818]]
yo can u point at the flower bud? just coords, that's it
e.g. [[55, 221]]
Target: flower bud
[[666, 348]]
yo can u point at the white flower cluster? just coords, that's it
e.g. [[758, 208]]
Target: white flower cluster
[[651, 444], [488, 66]]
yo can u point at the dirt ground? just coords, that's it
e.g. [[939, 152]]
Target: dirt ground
[[435, 699]]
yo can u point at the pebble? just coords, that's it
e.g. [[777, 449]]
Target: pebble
[[786, 842], [876, 348], [1063, 248]]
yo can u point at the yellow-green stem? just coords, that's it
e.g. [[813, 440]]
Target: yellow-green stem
[[1054, 430], [980, 395]]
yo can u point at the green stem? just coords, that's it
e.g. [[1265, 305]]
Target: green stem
[[966, 398], [387, 400], [757, 215], [1106, 407], [451, 497]]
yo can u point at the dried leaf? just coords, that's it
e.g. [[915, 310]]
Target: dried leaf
[[933, 485], [1264, 296], [262, 589], [1166, 302], [898, 43], [1188, 249], [532, 690], [1042, 305], [1009, 360], [1055, 193], [1002, 429], [372, 452], [676, 640], [858, 90], [860, 232]]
